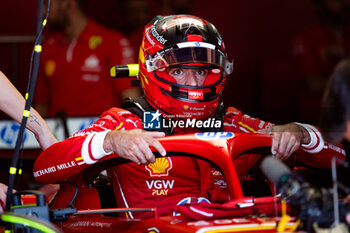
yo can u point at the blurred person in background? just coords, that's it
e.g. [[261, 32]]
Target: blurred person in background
[[75, 63], [131, 17], [317, 49], [169, 7], [335, 114]]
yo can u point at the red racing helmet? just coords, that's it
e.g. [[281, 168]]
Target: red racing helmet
[[183, 41]]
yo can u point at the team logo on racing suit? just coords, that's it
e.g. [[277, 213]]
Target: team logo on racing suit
[[160, 167]]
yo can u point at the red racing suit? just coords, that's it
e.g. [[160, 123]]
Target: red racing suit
[[170, 180]]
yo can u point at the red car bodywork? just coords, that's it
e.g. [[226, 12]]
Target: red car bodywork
[[219, 148]]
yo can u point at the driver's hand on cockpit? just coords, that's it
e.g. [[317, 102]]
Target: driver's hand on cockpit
[[286, 139], [134, 145]]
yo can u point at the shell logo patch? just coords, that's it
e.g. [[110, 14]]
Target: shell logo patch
[[160, 167]]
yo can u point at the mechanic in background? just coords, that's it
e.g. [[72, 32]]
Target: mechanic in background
[[74, 71], [335, 114], [317, 49], [183, 66]]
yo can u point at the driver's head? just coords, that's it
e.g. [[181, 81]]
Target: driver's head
[[183, 64]]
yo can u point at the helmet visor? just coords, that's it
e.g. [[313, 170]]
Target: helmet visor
[[189, 55]]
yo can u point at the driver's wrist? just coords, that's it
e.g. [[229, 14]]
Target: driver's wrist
[[107, 145], [316, 142], [306, 136], [93, 147]]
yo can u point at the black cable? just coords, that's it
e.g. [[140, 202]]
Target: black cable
[[62, 115], [74, 195], [75, 191], [20, 168], [33, 72]]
